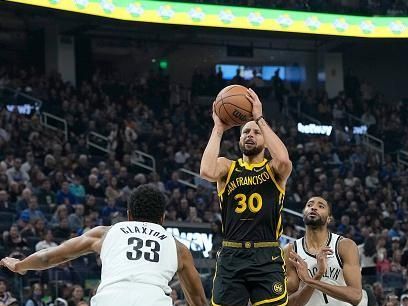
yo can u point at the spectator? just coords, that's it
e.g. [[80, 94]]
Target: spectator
[[379, 293], [46, 197], [94, 187], [60, 213], [371, 181], [76, 296], [383, 264], [344, 225], [112, 190], [123, 177], [16, 174], [48, 241], [174, 183], [36, 296], [192, 215], [110, 209], [181, 156], [32, 211], [65, 196], [5, 205], [29, 163], [25, 198], [62, 230], [82, 169], [14, 243], [76, 219], [39, 228], [77, 189], [5, 296], [368, 252]]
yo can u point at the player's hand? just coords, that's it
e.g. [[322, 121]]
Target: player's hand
[[256, 104], [11, 264], [301, 267], [322, 260], [218, 123]]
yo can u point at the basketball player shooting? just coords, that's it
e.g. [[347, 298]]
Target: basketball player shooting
[[139, 257], [327, 265], [251, 190]]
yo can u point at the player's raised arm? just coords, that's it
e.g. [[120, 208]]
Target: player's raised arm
[[352, 292], [189, 278], [89, 242], [280, 163], [213, 168], [301, 296]]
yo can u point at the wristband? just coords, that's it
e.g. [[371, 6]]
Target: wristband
[[259, 118]]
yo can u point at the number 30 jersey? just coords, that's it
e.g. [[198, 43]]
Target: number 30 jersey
[[138, 253], [251, 203]]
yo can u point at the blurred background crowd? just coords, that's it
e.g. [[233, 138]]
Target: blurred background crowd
[[52, 188]]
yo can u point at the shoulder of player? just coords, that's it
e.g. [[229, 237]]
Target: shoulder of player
[[97, 232], [347, 248]]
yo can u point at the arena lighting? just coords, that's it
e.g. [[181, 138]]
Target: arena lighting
[[234, 17]]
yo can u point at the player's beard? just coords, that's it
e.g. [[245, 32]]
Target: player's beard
[[250, 152], [315, 223]]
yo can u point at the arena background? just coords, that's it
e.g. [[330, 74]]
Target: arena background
[[93, 106]]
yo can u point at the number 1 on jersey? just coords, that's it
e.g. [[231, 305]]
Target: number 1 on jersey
[[254, 203]]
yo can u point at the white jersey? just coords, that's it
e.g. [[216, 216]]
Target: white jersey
[[139, 259], [333, 275]]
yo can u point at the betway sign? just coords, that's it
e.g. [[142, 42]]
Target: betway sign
[[196, 239], [315, 129]]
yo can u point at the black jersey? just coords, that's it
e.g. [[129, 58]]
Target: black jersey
[[251, 203]]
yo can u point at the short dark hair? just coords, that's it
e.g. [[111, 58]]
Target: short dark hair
[[147, 203], [330, 207]]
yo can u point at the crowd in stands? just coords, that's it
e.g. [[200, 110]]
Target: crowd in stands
[[52, 189], [354, 7]]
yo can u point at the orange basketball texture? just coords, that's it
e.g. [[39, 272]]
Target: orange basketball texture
[[232, 106]]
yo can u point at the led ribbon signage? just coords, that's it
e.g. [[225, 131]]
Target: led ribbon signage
[[234, 17]]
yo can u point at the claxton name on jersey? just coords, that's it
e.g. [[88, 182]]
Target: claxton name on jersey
[[142, 230], [248, 180], [331, 272]]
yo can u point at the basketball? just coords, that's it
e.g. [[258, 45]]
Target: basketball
[[232, 106]]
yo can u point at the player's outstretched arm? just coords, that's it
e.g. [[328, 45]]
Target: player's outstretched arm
[[352, 292], [300, 297], [212, 167], [190, 280], [89, 242], [281, 164]]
